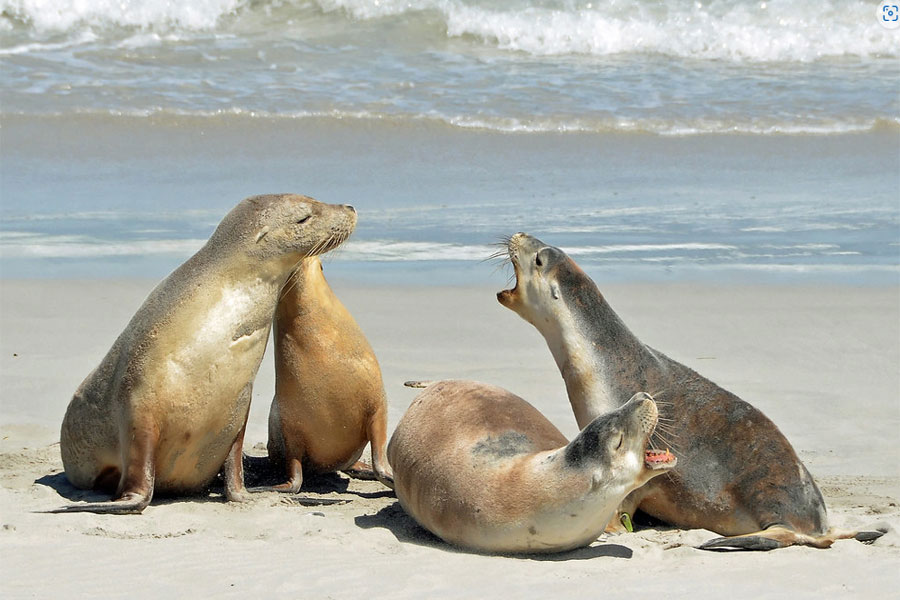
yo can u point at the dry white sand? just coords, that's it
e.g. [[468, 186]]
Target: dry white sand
[[821, 362]]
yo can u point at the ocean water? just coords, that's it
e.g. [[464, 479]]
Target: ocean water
[[662, 139]]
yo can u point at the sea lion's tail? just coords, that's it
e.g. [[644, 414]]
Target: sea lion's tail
[[418, 384], [782, 537]]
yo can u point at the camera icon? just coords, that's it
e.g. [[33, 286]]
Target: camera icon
[[888, 14]]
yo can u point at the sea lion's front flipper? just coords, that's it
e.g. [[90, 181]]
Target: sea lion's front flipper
[[377, 433], [233, 469]]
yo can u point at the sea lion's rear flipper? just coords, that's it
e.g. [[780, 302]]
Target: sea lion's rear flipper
[[742, 542], [781, 537], [139, 478], [867, 537], [770, 538], [129, 504], [364, 472], [313, 501], [360, 470], [292, 485], [418, 384]]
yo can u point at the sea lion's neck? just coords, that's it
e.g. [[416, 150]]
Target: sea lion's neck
[[306, 291], [596, 354]]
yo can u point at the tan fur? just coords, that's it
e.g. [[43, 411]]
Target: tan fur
[[168, 404], [483, 469], [329, 397]]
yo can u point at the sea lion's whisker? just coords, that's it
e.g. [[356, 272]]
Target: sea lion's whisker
[[498, 254], [665, 440], [500, 266], [293, 279], [666, 428]]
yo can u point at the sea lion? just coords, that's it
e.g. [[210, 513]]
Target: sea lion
[[167, 406], [481, 468], [737, 476], [329, 397]]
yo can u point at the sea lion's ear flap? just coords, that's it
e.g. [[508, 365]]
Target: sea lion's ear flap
[[554, 291], [262, 233]]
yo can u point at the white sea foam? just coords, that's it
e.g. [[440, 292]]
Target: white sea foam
[[18, 244], [63, 15], [82, 37], [506, 125], [34, 245], [813, 268], [617, 248], [801, 246], [774, 30], [395, 251]]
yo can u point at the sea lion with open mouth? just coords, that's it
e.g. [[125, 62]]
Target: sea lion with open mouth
[[737, 474]]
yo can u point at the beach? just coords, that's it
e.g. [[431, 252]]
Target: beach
[[98, 210], [819, 360], [726, 172]]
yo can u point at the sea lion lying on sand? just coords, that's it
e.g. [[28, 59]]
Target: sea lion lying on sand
[[481, 468]]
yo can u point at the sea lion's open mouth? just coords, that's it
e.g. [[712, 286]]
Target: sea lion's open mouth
[[659, 459], [506, 296]]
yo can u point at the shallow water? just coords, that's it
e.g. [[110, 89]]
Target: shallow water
[[89, 197], [653, 140]]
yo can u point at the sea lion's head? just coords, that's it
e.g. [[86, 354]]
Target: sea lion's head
[[548, 283], [285, 225], [615, 447]]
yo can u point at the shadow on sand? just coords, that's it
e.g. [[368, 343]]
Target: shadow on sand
[[406, 530], [257, 472]]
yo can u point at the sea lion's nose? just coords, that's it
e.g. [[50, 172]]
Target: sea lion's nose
[[349, 206]]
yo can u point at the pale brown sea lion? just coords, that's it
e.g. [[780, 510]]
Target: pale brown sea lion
[[168, 405], [737, 474], [481, 468], [329, 397]]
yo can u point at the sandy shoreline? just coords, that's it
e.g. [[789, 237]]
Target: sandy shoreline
[[820, 361]]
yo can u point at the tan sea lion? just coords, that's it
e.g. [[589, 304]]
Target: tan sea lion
[[737, 474], [329, 397], [168, 405], [481, 468]]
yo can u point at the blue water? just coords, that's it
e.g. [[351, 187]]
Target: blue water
[[658, 140], [667, 66]]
